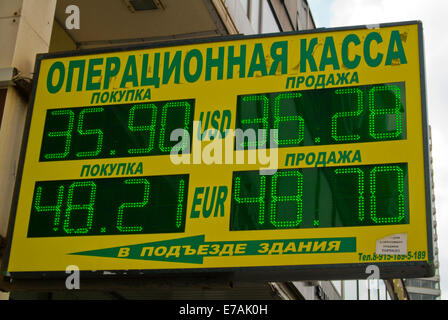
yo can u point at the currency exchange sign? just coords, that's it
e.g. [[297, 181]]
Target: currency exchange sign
[[302, 155]]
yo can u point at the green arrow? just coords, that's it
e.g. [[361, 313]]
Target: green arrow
[[142, 251]]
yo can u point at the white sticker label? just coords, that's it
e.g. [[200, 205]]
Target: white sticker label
[[393, 244]]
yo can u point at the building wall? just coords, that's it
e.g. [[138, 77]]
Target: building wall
[[428, 288], [25, 30], [267, 16]]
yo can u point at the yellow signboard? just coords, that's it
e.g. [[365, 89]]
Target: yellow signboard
[[302, 153]]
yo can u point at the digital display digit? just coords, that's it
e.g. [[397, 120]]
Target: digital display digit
[[133, 205], [369, 195], [126, 130], [367, 113]]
